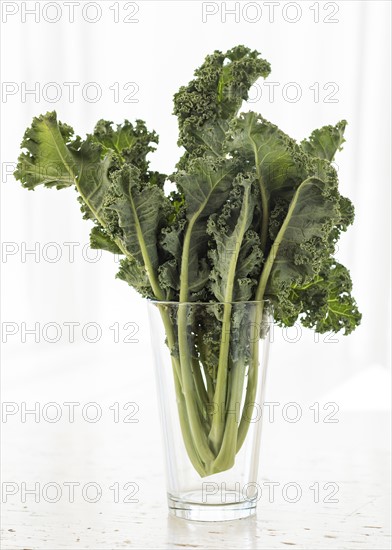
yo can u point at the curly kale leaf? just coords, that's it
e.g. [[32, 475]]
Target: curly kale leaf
[[206, 186], [171, 241], [133, 273], [298, 275], [325, 303], [99, 239], [236, 256], [302, 241], [278, 161], [324, 143], [214, 97], [133, 214], [54, 158], [131, 143]]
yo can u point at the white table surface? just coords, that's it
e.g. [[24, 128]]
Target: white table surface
[[352, 453]]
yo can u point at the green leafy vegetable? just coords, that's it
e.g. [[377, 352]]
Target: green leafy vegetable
[[254, 216], [325, 142]]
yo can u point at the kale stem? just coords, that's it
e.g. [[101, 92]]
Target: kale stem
[[228, 449], [185, 427], [251, 388], [210, 385], [210, 379], [201, 389], [218, 420], [198, 429], [263, 193], [182, 411]]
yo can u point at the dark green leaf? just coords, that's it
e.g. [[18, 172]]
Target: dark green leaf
[[324, 143], [99, 239]]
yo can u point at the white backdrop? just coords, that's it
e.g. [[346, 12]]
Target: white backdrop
[[338, 66]]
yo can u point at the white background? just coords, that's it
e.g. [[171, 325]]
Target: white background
[[159, 53]]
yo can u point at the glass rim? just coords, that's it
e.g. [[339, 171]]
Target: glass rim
[[172, 303]]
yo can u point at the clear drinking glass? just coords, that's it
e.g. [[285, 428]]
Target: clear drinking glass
[[210, 364]]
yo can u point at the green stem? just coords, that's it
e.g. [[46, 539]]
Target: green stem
[[146, 258], [251, 388], [182, 411], [202, 348], [210, 385], [264, 195], [200, 389], [218, 419], [189, 391], [198, 428], [227, 452], [185, 427]]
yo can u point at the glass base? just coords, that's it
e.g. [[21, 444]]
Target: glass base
[[192, 507]]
